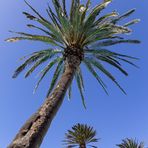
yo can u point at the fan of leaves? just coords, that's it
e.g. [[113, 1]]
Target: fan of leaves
[[80, 134], [83, 28], [131, 143]]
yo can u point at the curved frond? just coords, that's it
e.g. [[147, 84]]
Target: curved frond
[[26, 36], [34, 10], [94, 73], [69, 92], [80, 86], [125, 15], [55, 76], [113, 42], [45, 71], [111, 62], [39, 28], [95, 12], [38, 63], [30, 60], [99, 66], [135, 21]]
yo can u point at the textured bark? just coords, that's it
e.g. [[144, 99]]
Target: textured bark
[[34, 130], [83, 146]]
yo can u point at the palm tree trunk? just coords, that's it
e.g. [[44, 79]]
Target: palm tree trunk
[[83, 146], [34, 130]]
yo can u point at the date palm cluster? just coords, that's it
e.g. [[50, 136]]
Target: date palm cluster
[[79, 36]]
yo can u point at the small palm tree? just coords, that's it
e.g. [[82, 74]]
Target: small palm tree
[[75, 38], [80, 135], [131, 143]]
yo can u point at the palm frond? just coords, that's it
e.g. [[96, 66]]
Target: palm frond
[[99, 66], [26, 36], [53, 17], [104, 32], [112, 56], [125, 15], [94, 73], [38, 63], [79, 72], [55, 76], [84, 12], [64, 8], [29, 61], [111, 62], [95, 12], [45, 71], [70, 91], [130, 143], [106, 52], [114, 42], [80, 87], [54, 29], [34, 10], [135, 21], [102, 19], [127, 61]]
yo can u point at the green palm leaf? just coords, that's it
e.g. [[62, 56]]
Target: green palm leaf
[[45, 70], [91, 69], [30, 60], [125, 15], [111, 62], [95, 12], [80, 86], [55, 76], [99, 66], [113, 42], [39, 62], [26, 36], [69, 92], [34, 10], [41, 29], [135, 21], [103, 18]]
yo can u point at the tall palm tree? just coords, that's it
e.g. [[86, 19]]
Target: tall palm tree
[[131, 143], [80, 136], [73, 38]]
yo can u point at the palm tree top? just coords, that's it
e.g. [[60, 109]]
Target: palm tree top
[[131, 143], [81, 36], [80, 134]]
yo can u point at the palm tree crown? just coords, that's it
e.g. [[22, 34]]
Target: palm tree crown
[[80, 135], [77, 37], [131, 143]]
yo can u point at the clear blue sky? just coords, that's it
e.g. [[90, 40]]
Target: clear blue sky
[[114, 117]]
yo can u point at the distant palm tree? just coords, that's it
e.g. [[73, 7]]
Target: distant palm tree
[[131, 143], [80, 135], [75, 38]]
